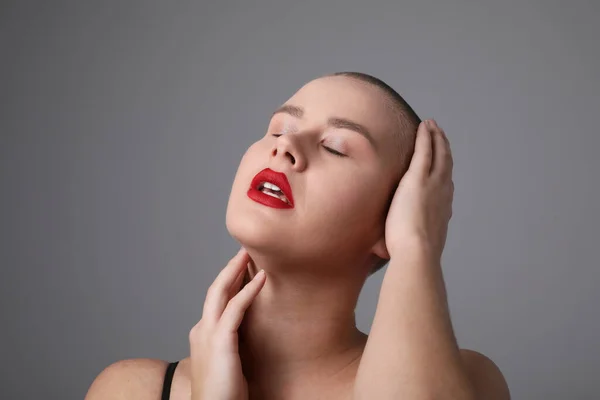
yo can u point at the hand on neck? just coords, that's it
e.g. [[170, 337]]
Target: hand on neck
[[300, 324]]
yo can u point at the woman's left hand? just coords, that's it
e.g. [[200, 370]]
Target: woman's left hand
[[422, 205]]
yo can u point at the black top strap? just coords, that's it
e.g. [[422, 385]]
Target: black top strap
[[166, 392]]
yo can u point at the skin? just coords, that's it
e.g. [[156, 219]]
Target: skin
[[290, 332]]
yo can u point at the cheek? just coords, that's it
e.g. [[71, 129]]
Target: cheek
[[340, 218], [347, 202]]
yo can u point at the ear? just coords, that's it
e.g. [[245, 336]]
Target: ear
[[380, 250]]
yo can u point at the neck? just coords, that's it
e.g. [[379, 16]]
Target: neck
[[300, 327]]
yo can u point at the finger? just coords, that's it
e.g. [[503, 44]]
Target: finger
[[422, 157], [237, 284], [435, 126], [237, 306], [443, 133], [440, 153], [217, 295], [443, 163], [445, 137]]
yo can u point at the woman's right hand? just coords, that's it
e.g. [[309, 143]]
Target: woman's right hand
[[216, 369]]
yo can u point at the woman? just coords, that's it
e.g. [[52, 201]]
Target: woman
[[346, 178]]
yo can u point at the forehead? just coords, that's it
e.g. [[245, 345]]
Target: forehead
[[348, 98]]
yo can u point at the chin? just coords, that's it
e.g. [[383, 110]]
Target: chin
[[253, 230]]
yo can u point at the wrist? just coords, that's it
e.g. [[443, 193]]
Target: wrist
[[410, 247]]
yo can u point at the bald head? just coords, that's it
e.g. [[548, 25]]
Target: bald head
[[407, 124], [408, 120]]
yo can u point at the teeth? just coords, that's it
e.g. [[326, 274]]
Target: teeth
[[273, 195], [273, 191], [279, 196], [271, 186]]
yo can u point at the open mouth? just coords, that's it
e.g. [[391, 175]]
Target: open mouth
[[269, 185], [273, 190]]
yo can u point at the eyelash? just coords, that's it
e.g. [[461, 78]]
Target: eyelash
[[330, 150]]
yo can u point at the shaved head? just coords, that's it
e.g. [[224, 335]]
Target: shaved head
[[405, 134], [408, 120]]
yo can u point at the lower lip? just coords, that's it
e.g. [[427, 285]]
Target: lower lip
[[267, 200]]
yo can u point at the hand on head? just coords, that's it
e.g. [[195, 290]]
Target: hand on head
[[422, 205]]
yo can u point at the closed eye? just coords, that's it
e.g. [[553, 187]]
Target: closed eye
[[329, 149], [332, 151]]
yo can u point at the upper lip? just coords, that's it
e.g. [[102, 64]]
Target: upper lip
[[277, 178]]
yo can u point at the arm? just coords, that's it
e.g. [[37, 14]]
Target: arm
[[411, 352]]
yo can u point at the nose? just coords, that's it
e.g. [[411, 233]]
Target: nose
[[287, 151]]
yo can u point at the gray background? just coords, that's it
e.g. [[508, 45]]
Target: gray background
[[122, 125]]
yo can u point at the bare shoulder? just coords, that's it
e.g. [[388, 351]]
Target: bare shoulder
[[129, 379], [485, 375]]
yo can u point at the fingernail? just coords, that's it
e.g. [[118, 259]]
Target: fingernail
[[241, 250], [260, 273]]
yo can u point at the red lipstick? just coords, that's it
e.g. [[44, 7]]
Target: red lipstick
[[275, 178]]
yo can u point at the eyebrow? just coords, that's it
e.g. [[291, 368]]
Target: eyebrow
[[340, 123]]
